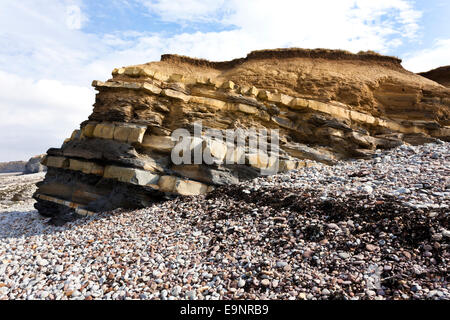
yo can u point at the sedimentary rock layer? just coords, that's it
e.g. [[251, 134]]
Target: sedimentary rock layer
[[326, 105], [440, 75]]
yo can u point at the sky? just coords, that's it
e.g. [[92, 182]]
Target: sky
[[53, 49]]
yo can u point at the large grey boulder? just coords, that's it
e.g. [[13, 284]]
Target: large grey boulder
[[34, 165]]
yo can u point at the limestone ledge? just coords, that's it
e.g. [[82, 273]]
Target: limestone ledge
[[257, 160], [122, 174], [123, 132], [75, 206], [135, 134], [219, 101], [131, 176], [175, 185], [220, 151]]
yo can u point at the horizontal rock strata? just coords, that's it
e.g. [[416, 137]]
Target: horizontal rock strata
[[440, 75], [347, 106]]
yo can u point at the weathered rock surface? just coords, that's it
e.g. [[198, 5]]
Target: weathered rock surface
[[326, 105]]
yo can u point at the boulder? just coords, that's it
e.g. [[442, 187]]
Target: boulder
[[190, 188], [159, 143], [167, 183], [131, 175]]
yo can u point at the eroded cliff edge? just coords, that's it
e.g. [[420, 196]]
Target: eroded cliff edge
[[327, 105], [441, 75]]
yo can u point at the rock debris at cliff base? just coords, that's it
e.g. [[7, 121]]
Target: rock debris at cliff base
[[366, 229], [16, 190]]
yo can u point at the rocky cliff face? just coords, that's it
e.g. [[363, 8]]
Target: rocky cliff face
[[12, 166], [34, 165], [440, 75], [326, 105]]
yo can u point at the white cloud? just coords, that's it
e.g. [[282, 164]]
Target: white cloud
[[42, 44], [185, 10], [425, 60], [75, 18], [49, 61], [37, 115], [347, 24]]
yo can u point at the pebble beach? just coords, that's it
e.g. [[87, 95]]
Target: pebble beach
[[365, 229]]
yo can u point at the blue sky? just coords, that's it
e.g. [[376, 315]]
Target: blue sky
[[55, 48]]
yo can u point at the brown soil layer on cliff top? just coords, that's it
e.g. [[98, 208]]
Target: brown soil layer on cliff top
[[367, 81], [285, 53], [286, 65], [440, 75]]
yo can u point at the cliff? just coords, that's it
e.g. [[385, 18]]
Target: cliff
[[34, 165], [327, 105], [12, 166], [440, 75]]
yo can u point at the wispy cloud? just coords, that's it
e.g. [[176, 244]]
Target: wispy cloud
[[52, 59], [37, 115], [348, 24], [424, 60], [186, 10], [74, 17]]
